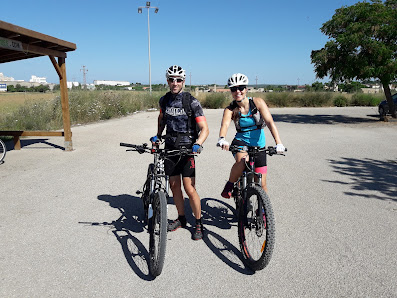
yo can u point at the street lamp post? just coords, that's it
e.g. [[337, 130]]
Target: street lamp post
[[156, 9]]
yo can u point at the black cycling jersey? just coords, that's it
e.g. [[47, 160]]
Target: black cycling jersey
[[176, 119]]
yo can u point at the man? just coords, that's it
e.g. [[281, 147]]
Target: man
[[182, 132]]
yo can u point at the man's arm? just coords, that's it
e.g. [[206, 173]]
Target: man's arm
[[204, 130], [160, 124]]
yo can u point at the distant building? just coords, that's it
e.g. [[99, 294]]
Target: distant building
[[3, 87], [72, 84], [111, 83], [40, 80]]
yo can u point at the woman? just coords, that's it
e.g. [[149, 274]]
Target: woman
[[250, 116]]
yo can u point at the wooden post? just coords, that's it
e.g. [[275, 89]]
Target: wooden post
[[65, 105]]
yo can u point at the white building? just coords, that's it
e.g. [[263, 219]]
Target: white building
[[3, 87], [72, 84], [35, 79], [111, 83]]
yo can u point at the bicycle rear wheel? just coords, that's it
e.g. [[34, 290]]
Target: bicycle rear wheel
[[256, 229], [3, 151], [158, 233], [146, 190]]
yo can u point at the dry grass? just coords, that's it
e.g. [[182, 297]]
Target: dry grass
[[12, 101]]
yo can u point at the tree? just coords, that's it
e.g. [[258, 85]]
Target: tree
[[317, 86], [362, 45]]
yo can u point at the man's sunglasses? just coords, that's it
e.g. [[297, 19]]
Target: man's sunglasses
[[175, 79], [235, 88]]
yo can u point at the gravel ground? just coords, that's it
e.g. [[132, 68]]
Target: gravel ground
[[71, 223]]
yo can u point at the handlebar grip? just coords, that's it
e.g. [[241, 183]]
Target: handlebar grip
[[127, 145]]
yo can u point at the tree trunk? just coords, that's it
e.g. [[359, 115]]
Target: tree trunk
[[392, 107]]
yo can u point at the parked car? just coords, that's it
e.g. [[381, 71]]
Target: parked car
[[384, 107]]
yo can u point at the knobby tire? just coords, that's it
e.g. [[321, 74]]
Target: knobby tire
[[3, 151], [146, 191], [256, 229], [158, 233]]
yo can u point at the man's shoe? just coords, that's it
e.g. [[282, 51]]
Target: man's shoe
[[175, 225], [227, 190], [198, 233]]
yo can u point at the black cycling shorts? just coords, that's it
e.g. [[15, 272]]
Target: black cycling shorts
[[260, 158], [179, 165]]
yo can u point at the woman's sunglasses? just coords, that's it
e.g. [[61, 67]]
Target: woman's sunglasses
[[235, 88], [175, 79]]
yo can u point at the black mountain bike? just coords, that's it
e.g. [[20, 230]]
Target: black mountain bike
[[3, 151], [154, 197], [256, 227]]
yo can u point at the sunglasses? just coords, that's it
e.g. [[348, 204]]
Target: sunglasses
[[175, 79], [235, 88]]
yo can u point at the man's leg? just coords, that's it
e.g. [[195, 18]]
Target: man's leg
[[194, 199], [195, 204], [176, 188]]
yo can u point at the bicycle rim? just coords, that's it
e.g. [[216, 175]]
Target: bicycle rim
[[3, 151], [256, 229], [158, 234]]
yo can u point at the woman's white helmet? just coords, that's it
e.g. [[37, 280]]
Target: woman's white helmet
[[237, 79], [175, 71]]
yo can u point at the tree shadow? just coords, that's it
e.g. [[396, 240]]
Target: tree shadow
[[215, 213], [368, 175], [130, 221], [322, 119]]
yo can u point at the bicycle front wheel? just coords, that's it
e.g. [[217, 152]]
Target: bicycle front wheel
[[3, 151], [158, 233], [256, 229]]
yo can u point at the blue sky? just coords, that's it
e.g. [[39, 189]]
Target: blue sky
[[267, 40]]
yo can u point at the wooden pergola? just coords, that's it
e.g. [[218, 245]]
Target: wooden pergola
[[17, 43]]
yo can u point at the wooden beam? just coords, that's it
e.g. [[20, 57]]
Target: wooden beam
[[56, 66], [28, 48], [65, 105], [18, 133]]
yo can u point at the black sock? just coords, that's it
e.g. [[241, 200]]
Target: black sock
[[182, 219]]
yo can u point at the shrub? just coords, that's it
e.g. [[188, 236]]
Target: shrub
[[279, 99], [340, 101], [216, 100], [361, 99]]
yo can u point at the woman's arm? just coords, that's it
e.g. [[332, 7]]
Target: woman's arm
[[267, 116]]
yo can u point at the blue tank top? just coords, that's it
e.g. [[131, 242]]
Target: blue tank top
[[251, 137]]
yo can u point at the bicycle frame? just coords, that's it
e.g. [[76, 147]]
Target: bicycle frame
[[158, 173]]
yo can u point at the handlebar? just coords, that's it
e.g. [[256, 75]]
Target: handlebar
[[270, 150], [155, 149]]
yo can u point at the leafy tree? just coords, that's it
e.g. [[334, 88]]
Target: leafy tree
[[351, 87], [318, 86], [362, 45]]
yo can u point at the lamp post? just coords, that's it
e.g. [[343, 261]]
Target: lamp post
[[156, 9]]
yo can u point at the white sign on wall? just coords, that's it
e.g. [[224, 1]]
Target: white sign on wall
[[10, 44], [3, 87]]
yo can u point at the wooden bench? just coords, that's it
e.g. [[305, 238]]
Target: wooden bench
[[16, 134]]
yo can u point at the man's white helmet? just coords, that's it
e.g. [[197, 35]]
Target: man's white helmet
[[175, 71], [237, 79]]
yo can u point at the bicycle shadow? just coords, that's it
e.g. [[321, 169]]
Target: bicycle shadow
[[130, 221], [215, 213]]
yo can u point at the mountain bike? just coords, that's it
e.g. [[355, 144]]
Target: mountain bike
[[256, 227], [3, 150], [154, 196]]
